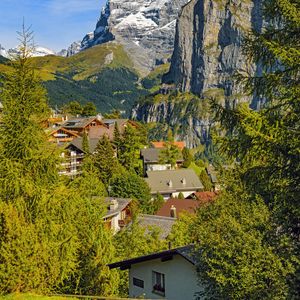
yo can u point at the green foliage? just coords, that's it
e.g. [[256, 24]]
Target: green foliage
[[169, 154], [181, 196], [129, 149], [89, 109], [157, 203], [105, 160], [206, 181], [187, 156], [129, 185], [85, 143], [240, 257], [75, 108]]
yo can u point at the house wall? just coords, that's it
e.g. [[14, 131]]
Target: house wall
[[158, 167], [180, 279]]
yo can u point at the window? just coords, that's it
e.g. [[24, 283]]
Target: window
[[138, 282], [158, 280]]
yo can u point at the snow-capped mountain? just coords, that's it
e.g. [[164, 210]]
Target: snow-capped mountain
[[38, 51], [146, 28], [3, 52], [74, 48]]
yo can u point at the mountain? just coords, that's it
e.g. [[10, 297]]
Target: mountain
[[208, 43], [38, 52], [103, 74], [207, 53], [3, 52], [73, 49], [145, 28]]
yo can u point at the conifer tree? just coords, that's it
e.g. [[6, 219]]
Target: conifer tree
[[105, 160]]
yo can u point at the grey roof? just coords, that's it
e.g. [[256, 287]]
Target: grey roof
[[122, 204], [170, 181], [78, 123], [187, 252], [151, 155], [120, 122], [77, 143], [163, 223]]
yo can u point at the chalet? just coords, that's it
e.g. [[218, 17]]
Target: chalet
[[118, 213], [170, 274], [170, 183], [62, 135], [151, 160], [73, 156], [81, 125]]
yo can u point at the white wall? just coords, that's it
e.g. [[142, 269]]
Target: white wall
[[180, 279], [185, 194]]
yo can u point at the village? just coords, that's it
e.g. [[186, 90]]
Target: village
[[168, 274]]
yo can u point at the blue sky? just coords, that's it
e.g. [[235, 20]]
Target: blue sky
[[56, 23]]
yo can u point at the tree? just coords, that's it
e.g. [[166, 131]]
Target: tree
[[117, 139], [85, 143], [89, 109], [187, 157], [38, 244], [169, 154], [130, 185], [73, 107], [105, 160]]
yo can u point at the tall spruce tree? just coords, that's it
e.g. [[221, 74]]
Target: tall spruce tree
[[38, 243]]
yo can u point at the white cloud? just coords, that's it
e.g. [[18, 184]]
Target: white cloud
[[73, 6]]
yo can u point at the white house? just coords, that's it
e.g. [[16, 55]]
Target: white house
[[169, 274]]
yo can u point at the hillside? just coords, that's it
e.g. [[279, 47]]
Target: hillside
[[103, 74]]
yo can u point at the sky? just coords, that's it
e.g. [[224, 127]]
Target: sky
[[55, 23]]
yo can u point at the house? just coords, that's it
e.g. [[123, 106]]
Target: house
[[175, 207], [151, 160], [118, 213], [73, 156], [163, 223], [169, 274], [81, 125], [170, 183], [62, 135], [160, 145]]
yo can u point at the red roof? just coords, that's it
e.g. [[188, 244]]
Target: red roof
[[181, 205], [180, 145]]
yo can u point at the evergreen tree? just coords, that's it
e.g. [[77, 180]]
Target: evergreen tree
[[187, 156], [117, 139], [38, 243], [169, 154], [89, 109], [85, 143], [105, 160]]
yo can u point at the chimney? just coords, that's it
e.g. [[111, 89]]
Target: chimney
[[170, 183], [113, 204], [183, 181], [173, 213]]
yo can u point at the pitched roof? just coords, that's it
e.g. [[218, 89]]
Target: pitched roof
[[77, 143], [151, 155], [163, 223], [122, 204], [180, 145], [181, 205], [170, 181], [80, 122], [187, 252], [205, 197]]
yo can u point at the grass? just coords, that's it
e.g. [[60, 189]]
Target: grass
[[32, 297], [197, 170]]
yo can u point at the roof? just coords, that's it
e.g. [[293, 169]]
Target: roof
[[77, 143], [187, 252], [211, 171], [79, 122], [181, 205], [151, 155], [99, 131], [122, 204], [180, 144], [72, 133], [163, 223], [170, 181]]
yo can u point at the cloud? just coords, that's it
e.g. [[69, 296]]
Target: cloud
[[68, 7]]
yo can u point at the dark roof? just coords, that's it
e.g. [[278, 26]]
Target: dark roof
[[122, 204], [77, 143], [181, 205], [79, 122], [170, 181], [163, 223], [187, 252], [151, 155]]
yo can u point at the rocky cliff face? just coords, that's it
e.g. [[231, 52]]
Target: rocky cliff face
[[146, 28], [208, 45]]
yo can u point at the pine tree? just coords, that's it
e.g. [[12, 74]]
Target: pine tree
[[169, 154], [117, 139], [105, 160]]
